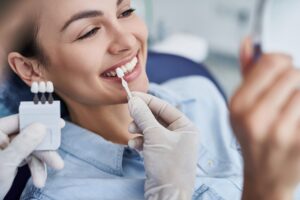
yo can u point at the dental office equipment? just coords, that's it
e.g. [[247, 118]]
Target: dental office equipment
[[120, 74], [45, 112]]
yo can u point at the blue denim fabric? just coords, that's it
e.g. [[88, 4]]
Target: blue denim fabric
[[98, 169]]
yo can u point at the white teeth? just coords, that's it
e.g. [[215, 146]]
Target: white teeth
[[124, 69], [127, 68], [130, 66], [109, 74], [135, 60]]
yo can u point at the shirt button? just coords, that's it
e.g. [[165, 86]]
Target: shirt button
[[179, 107], [210, 163]]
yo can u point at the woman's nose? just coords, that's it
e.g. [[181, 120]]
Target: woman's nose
[[122, 40]]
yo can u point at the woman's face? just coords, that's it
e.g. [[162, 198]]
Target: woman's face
[[85, 41]]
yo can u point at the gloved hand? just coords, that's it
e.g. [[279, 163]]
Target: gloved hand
[[169, 147], [14, 150]]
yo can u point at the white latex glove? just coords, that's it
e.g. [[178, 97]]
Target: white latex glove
[[14, 150], [170, 154]]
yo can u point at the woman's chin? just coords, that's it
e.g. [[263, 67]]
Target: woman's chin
[[141, 85]]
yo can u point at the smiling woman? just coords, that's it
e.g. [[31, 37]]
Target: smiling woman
[[78, 45], [81, 45]]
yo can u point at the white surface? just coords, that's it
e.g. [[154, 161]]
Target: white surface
[[186, 45], [223, 23], [47, 114], [282, 28]]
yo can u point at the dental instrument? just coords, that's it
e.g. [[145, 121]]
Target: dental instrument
[[258, 28], [50, 90], [121, 74], [44, 112], [42, 90], [35, 91]]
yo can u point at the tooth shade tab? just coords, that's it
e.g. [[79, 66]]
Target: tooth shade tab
[[120, 72], [49, 87], [35, 87], [42, 87]]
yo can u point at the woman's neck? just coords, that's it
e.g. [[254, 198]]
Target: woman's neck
[[110, 122]]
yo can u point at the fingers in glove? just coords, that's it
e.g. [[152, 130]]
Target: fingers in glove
[[10, 124], [25, 143], [50, 158], [133, 128], [163, 110], [136, 143], [6, 180], [62, 123], [38, 172], [141, 114], [4, 140]]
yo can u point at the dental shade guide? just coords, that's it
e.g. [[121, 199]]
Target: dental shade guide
[[44, 112], [42, 90], [35, 91], [120, 74], [50, 90]]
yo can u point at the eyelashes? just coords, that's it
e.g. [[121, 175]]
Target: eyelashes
[[94, 31], [127, 13], [89, 34]]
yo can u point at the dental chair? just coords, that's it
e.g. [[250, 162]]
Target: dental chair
[[160, 68]]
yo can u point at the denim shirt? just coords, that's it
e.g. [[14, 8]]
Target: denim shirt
[[98, 169]]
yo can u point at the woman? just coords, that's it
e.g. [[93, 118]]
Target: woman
[[77, 45]]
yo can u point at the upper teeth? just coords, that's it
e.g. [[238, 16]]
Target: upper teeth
[[127, 68]]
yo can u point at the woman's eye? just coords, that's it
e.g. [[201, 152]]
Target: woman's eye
[[89, 34], [127, 13]]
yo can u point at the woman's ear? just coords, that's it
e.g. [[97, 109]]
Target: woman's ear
[[27, 69]]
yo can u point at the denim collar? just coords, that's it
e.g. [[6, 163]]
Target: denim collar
[[92, 148]]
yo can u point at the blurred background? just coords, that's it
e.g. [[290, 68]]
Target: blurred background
[[206, 31]]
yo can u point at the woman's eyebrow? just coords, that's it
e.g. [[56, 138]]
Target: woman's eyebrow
[[82, 15], [85, 14], [119, 2]]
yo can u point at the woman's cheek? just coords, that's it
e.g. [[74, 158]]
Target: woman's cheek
[[82, 62]]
